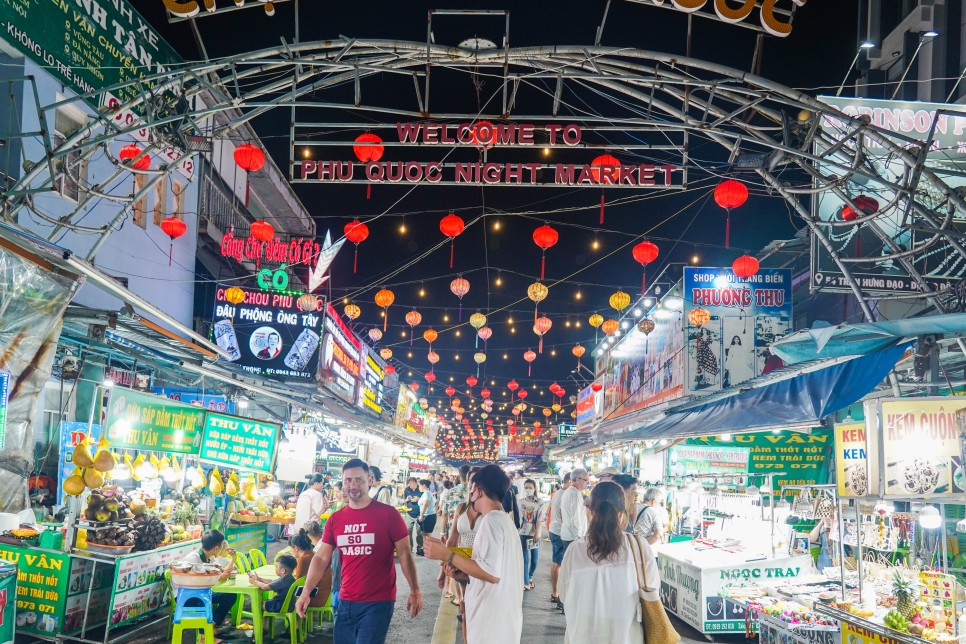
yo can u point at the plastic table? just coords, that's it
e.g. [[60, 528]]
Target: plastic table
[[241, 585]]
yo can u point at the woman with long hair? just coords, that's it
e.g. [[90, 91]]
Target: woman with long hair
[[599, 577]]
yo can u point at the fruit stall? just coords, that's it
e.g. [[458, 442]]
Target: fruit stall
[[139, 492]]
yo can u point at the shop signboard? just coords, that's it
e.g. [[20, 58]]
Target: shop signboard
[[746, 316], [247, 537], [409, 415], [268, 334], [947, 152], [589, 409], [4, 392], [772, 630], [565, 431], [686, 460], [71, 434], [8, 600], [339, 365], [42, 577], [920, 451], [145, 422], [240, 443], [856, 634], [642, 370], [196, 397], [371, 389], [852, 473], [139, 588], [803, 457]]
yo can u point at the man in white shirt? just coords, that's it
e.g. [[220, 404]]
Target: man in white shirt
[[378, 491], [555, 541], [311, 502], [573, 512]]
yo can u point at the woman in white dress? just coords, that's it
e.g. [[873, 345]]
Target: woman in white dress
[[598, 576]]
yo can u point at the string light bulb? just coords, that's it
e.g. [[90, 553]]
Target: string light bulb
[[499, 280], [595, 245], [496, 225], [445, 317], [695, 259]]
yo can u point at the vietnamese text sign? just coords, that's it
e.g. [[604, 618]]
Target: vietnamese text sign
[[685, 460], [142, 421], [339, 366], [855, 634], [248, 537], [139, 586], [41, 588], [852, 474], [268, 334], [746, 315], [239, 443], [921, 446], [71, 434], [211, 402], [4, 391], [370, 383]]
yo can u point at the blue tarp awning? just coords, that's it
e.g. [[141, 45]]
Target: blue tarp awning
[[801, 399]]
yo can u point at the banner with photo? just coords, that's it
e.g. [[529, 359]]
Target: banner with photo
[[729, 323]]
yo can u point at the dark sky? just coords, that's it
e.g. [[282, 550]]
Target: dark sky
[[816, 54]]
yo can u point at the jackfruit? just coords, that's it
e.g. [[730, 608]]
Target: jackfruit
[[104, 461], [81, 457], [136, 467], [93, 479], [74, 484]]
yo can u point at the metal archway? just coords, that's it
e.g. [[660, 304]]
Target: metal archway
[[796, 145]]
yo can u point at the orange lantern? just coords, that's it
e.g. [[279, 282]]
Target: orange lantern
[[234, 295], [385, 353], [384, 299], [412, 319], [433, 357], [540, 327], [610, 326], [699, 317], [578, 351], [308, 302], [429, 335], [352, 311]]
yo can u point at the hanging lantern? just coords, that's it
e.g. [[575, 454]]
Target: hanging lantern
[[368, 148], [460, 287], [262, 230], [596, 386], [386, 353], [522, 394], [485, 393], [513, 385], [699, 317], [538, 293], [540, 327], [352, 311], [433, 357], [471, 381], [249, 158], [484, 333], [578, 351], [547, 412], [483, 135], [555, 407], [619, 301], [234, 295], [730, 194], [449, 391], [609, 327], [308, 302], [529, 356], [645, 326], [595, 320], [865, 204], [389, 370], [375, 334], [745, 266], [605, 169], [430, 377], [544, 237], [173, 228], [130, 152], [451, 226], [412, 319], [414, 386], [644, 253], [356, 232], [384, 299], [479, 357], [429, 335]]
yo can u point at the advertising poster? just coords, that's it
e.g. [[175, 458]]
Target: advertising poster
[[8, 601], [805, 457], [239, 443], [685, 460], [71, 434], [267, 334], [746, 315], [640, 370], [945, 156], [409, 415], [855, 634], [852, 473], [145, 422], [41, 588], [589, 408], [371, 390], [921, 446], [565, 431], [339, 365], [139, 587], [80, 579], [211, 402]]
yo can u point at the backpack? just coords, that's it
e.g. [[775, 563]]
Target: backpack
[[510, 506]]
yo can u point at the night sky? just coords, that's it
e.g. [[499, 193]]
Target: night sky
[[495, 252]]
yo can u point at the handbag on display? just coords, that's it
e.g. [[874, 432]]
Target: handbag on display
[[657, 626]]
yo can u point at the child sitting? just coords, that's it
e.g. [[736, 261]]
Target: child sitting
[[284, 567]]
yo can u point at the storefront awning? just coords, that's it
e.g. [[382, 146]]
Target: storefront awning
[[800, 398], [862, 339]]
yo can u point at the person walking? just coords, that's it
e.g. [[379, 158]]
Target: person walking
[[365, 532], [410, 496], [573, 511], [379, 491], [427, 512], [556, 543], [648, 523], [494, 597], [311, 502], [599, 576], [531, 513]]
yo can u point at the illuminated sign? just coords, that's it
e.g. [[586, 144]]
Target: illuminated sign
[[339, 367], [272, 280], [298, 250], [267, 334], [725, 12], [409, 415], [371, 384]]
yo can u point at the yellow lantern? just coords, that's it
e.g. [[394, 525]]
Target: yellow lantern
[[352, 311], [620, 300], [479, 357], [477, 320], [386, 353], [537, 292], [596, 320], [555, 407], [699, 317], [235, 295]]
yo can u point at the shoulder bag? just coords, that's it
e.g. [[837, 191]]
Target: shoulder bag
[[657, 626]]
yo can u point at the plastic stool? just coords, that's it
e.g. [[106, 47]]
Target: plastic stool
[[182, 611], [193, 624]]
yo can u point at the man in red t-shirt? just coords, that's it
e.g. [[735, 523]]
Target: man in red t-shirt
[[366, 532]]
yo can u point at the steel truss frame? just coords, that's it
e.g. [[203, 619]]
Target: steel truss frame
[[768, 129]]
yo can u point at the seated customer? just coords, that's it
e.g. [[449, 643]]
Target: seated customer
[[284, 567], [214, 546], [301, 547]]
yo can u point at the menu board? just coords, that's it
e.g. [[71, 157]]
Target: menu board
[[852, 473], [247, 537], [341, 352], [145, 422], [240, 443], [707, 459], [921, 446], [139, 586]]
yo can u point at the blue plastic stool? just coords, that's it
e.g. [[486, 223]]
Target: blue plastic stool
[[181, 610]]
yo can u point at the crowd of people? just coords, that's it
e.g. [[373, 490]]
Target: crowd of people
[[485, 530]]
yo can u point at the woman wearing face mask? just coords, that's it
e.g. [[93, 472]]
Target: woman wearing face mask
[[531, 511]]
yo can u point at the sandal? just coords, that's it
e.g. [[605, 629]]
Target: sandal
[[554, 599], [448, 595], [454, 602], [532, 585]]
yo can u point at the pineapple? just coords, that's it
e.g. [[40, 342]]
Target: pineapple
[[905, 591]]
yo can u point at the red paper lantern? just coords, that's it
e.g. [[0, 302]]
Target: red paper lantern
[[389, 370], [745, 266], [262, 230], [430, 377], [130, 152], [540, 326], [368, 147], [513, 385], [522, 394], [596, 386], [544, 237], [610, 175], [356, 232], [449, 391], [414, 386], [173, 228], [644, 253], [730, 194], [866, 205], [471, 381], [451, 226], [249, 158], [483, 135]]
